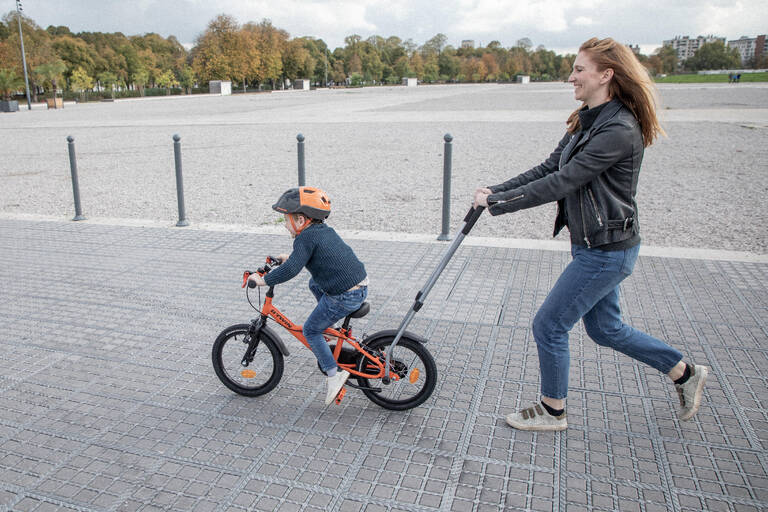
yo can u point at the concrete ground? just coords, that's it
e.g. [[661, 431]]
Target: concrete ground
[[108, 400], [378, 152]]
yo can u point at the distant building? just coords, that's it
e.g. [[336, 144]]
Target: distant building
[[635, 49], [468, 43], [750, 47], [686, 46]]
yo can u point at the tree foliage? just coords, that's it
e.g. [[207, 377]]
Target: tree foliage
[[714, 55], [9, 83], [258, 53]]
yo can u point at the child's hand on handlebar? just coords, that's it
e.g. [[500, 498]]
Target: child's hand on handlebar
[[257, 279]]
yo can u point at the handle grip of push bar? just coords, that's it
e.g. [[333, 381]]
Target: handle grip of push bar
[[472, 215]]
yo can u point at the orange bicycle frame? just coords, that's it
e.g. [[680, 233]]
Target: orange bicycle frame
[[269, 310]]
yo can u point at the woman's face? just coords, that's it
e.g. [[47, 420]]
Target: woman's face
[[589, 84]]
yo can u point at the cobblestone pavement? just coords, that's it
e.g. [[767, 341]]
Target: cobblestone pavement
[[108, 400]]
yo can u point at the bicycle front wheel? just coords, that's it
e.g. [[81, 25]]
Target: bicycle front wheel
[[413, 371], [260, 376]]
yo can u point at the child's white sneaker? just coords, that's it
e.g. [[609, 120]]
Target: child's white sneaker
[[335, 384]]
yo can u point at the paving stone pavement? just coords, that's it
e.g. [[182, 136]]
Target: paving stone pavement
[[108, 400]]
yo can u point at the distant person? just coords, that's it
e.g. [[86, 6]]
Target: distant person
[[593, 176], [738, 77], [730, 77]]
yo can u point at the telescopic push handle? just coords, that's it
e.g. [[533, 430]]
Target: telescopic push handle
[[472, 215]]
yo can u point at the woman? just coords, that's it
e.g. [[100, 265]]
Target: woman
[[592, 174]]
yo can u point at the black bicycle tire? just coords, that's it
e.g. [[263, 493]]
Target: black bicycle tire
[[277, 360], [430, 369]]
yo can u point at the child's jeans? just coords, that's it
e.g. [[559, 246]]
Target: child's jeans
[[330, 309]]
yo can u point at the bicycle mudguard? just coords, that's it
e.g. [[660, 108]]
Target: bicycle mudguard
[[272, 335], [391, 333]]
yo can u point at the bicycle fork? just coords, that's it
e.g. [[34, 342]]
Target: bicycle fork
[[253, 340]]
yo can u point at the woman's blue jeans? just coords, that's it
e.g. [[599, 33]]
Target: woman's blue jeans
[[588, 289], [329, 310]]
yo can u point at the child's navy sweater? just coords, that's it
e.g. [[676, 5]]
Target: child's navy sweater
[[331, 262]]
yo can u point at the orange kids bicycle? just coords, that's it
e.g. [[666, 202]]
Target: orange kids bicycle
[[250, 358]]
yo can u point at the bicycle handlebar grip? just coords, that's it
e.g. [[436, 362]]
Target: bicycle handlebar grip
[[472, 215]]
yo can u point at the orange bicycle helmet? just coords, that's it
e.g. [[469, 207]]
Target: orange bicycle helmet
[[309, 201]]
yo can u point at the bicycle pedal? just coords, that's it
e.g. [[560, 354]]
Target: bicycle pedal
[[340, 395]]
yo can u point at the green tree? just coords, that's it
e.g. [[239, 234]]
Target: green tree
[[668, 56], [186, 78], [108, 80], [270, 43], [449, 64], [9, 83], [167, 80], [212, 56], [80, 81], [140, 79], [434, 45], [714, 55], [51, 73], [75, 53]]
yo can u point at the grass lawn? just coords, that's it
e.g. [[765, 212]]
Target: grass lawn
[[688, 79]]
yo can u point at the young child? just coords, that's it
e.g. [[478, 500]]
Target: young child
[[339, 281]]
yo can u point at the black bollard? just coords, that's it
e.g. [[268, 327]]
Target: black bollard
[[75, 183], [179, 181], [447, 155]]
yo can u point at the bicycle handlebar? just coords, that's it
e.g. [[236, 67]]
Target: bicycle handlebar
[[262, 271]]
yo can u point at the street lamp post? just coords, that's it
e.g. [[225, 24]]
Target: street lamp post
[[23, 56]]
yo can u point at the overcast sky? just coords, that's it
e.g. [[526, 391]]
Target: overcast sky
[[560, 25]]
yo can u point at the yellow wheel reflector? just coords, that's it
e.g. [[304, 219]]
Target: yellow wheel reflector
[[248, 374], [414, 376]]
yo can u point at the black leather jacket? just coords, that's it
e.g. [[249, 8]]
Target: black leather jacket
[[592, 175]]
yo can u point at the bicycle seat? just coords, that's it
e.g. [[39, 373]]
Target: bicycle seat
[[361, 311]]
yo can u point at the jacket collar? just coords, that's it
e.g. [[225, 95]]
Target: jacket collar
[[608, 111], [580, 138]]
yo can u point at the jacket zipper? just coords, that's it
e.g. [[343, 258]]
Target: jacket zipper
[[513, 199], [594, 203], [583, 221]]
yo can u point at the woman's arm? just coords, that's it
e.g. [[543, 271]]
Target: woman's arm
[[605, 147], [548, 166]]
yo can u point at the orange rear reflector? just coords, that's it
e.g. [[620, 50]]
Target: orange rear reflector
[[414, 376], [248, 374]]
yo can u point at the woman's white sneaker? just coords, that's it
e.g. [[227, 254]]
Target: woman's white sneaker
[[536, 418], [690, 392]]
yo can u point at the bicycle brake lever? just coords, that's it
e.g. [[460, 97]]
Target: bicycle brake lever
[[246, 274]]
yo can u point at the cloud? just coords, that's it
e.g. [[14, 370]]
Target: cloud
[[488, 16], [583, 21]]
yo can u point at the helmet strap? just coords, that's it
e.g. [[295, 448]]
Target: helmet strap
[[295, 226]]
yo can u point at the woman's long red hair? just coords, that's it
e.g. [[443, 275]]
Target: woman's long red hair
[[631, 84]]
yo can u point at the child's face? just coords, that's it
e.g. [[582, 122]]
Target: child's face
[[294, 223]]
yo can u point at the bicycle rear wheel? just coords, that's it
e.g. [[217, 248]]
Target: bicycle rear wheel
[[413, 371], [260, 376]]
